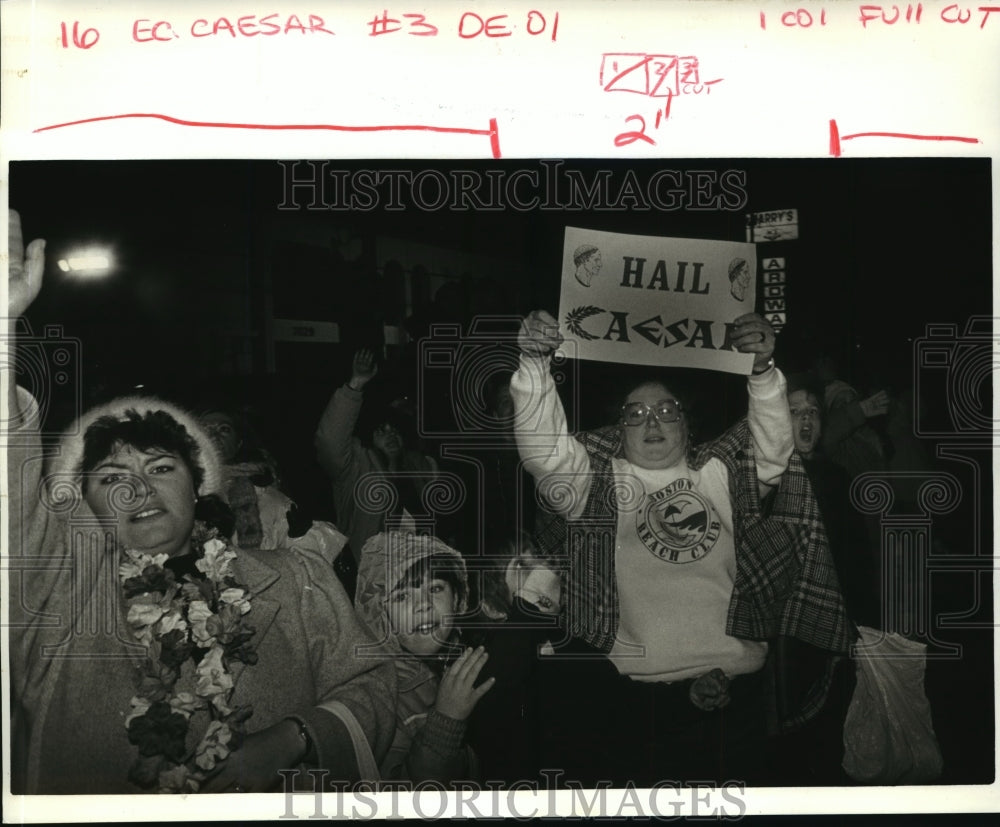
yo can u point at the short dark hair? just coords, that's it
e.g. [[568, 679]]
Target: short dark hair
[[678, 388], [388, 416], [144, 432]]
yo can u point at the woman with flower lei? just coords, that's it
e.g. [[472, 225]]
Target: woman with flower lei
[[146, 654], [200, 619]]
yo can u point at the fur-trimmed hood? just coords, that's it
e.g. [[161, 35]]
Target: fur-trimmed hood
[[65, 468]]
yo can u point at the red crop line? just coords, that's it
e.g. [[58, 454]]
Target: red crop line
[[911, 137], [492, 132], [836, 138], [494, 138]]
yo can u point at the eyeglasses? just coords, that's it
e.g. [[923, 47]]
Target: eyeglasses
[[636, 413]]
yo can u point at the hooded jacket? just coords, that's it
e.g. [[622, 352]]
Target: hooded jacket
[[427, 745], [74, 665]]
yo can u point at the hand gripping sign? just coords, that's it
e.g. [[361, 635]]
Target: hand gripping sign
[[656, 301]]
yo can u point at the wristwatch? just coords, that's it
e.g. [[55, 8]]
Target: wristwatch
[[767, 367]]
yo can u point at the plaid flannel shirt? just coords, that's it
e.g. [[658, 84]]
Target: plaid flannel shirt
[[786, 583]]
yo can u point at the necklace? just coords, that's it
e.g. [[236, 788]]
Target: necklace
[[199, 618]]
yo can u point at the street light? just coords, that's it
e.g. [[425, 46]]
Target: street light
[[87, 263]]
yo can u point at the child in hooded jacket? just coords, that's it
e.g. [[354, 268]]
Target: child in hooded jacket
[[410, 589]]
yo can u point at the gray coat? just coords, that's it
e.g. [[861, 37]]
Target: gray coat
[[74, 666]]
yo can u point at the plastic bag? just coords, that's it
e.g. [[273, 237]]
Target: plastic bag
[[888, 734]]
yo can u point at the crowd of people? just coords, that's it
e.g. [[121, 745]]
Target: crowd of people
[[624, 604]]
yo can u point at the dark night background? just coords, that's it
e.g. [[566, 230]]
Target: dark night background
[[885, 247], [206, 259]]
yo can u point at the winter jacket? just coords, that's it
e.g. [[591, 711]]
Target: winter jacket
[[428, 746], [75, 664], [356, 471]]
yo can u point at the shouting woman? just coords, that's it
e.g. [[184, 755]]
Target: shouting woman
[[147, 654]]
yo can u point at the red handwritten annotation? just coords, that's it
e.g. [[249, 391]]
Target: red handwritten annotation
[[888, 15], [469, 26], [654, 76], [836, 138], [492, 132]]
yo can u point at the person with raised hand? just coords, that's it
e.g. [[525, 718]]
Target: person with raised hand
[[349, 454], [146, 653], [683, 562]]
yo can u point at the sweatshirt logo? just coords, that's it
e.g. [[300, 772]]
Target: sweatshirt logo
[[678, 524]]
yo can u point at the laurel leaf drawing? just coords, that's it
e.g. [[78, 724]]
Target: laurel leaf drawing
[[577, 315]]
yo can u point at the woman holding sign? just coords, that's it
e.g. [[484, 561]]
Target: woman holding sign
[[677, 576]]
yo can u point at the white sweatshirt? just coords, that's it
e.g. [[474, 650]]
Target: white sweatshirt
[[674, 550]]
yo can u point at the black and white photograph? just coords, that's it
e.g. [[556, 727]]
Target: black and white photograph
[[563, 475]]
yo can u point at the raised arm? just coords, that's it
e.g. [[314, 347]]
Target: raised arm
[[846, 412], [24, 280], [335, 439], [547, 450], [42, 586], [768, 416], [31, 525]]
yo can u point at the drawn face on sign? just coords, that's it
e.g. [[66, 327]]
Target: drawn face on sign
[[588, 261], [654, 444], [739, 276]]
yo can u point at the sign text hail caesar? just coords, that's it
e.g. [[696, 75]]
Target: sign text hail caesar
[[658, 301]]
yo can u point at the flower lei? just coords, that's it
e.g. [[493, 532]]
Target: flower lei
[[201, 619]]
